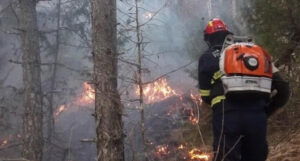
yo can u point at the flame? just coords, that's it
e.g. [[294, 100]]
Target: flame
[[10, 138], [61, 109], [4, 142], [198, 155], [194, 120], [162, 150], [157, 91], [191, 116], [88, 95], [196, 98], [180, 147]]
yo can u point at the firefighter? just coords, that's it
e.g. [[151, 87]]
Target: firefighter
[[239, 123]]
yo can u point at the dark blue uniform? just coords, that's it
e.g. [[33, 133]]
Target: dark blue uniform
[[239, 123]]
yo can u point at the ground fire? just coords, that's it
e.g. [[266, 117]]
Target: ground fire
[[61, 109], [197, 155], [87, 97], [162, 150], [181, 146], [9, 139], [170, 107], [3, 142], [156, 93]]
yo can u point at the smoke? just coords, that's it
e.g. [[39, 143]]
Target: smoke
[[74, 67], [163, 39], [172, 39], [173, 35]]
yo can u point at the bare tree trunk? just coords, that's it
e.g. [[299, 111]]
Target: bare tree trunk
[[50, 117], [139, 78], [51, 107], [33, 113], [108, 110]]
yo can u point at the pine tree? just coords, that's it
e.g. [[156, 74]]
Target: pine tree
[[33, 113], [108, 111]]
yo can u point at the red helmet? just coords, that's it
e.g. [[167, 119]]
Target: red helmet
[[215, 25]]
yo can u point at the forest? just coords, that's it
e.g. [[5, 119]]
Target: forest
[[117, 80]]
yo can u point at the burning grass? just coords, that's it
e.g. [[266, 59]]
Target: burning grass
[[9, 140], [198, 155], [157, 91], [86, 98], [181, 152], [161, 97]]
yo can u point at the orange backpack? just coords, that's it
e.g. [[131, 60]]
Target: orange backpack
[[246, 67]]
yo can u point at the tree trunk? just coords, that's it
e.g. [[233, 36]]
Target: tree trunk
[[33, 113], [50, 117], [108, 110], [50, 126], [139, 78]]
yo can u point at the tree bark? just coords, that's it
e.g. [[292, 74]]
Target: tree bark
[[50, 124], [140, 78], [108, 110], [33, 113], [50, 117]]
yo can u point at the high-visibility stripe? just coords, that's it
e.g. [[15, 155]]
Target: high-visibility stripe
[[216, 100], [217, 75], [212, 81], [204, 92]]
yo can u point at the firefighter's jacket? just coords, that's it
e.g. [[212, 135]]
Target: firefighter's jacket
[[207, 67], [281, 90], [211, 88]]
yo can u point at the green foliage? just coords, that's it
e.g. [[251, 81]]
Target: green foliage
[[275, 25]]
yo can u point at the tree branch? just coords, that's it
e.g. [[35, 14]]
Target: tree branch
[[172, 71]]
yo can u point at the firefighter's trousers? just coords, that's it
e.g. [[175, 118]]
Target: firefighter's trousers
[[240, 131]]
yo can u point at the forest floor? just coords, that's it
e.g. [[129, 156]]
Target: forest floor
[[285, 143], [287, 150], [283, 137]]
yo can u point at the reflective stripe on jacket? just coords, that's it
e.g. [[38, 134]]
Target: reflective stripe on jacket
[[208, 74]]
